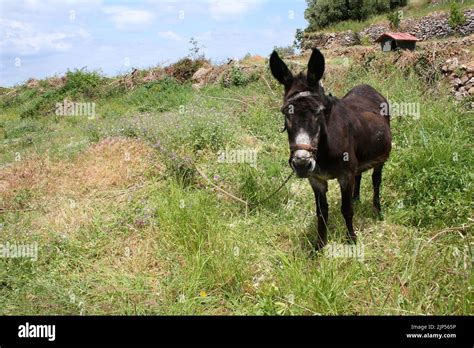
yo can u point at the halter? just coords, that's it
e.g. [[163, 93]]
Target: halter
[[298, 96], [306, 147]]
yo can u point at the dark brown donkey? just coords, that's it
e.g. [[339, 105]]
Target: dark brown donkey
[[333, 138]]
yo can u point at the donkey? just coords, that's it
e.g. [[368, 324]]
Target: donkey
[[333, 138]]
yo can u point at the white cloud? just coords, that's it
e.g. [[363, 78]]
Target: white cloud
[[229, 9], [21, 38], [124, 17], [170, 35], [7, 25]]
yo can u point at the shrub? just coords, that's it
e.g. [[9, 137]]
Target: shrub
[[236, 76], [394, 19], [79, 83], [82, 82], [41, 104], [366, 41], [184, 69], [456, 17]]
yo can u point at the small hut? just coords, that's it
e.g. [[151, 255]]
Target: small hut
[[394, 41]]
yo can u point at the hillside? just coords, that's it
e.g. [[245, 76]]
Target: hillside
[[413, 11], [135, 211], [433, 25]]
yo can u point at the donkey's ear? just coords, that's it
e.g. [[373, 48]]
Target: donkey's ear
[[315, 68], [280, 71]]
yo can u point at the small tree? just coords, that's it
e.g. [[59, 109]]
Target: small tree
[[456, 16], [298, 38], [394, 19], [195, 50]]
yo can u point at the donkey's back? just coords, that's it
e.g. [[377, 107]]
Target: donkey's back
[[369, 125]]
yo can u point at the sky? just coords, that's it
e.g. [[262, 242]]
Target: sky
[[42, 38]]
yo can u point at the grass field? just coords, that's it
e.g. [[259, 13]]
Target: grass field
[[125, 224]]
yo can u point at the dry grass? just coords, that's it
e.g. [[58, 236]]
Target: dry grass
[[69, 193]]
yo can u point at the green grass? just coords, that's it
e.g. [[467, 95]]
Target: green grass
[[166, 245]]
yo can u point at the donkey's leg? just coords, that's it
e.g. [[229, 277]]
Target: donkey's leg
[[376, 181], [320, 188], [356, 195], [347, 187]]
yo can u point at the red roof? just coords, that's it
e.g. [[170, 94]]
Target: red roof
[[398, 37]]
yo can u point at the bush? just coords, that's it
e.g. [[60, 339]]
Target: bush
[[79, 84], [82, 82], [366, 41], [394, 19], [236, 76], [456, 17], [184, 69], [42, 104]]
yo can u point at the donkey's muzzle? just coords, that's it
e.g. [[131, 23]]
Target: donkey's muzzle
[[302, 163], [302, 159]]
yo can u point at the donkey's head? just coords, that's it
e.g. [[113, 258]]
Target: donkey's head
[[304, 105]]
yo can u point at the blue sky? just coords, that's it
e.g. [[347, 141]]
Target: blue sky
[[40, 38]]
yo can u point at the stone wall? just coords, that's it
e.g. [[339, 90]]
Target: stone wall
[[460, 77], [428, 27]]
